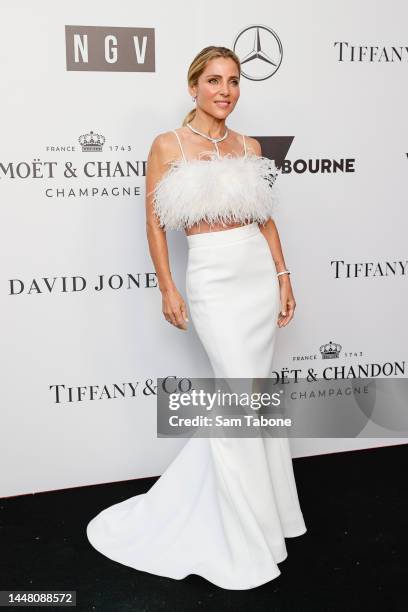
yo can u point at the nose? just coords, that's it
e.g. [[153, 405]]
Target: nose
[[224, 91]]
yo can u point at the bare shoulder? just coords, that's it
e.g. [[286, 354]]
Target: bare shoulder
[[254, 145], [164, 145]]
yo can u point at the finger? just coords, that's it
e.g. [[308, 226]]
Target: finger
[[284, 307], [180, 321], [170, 318], [285, 320], [283, 312], [287, 308], [183, 327], [184, 312]]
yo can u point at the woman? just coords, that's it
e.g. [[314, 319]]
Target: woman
[[223, 507]]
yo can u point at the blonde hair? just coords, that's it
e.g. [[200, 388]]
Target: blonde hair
[[198, 65]]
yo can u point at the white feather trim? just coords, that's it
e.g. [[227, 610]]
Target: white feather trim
[[216, 190]]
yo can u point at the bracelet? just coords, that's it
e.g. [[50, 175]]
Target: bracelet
[[284, 272]]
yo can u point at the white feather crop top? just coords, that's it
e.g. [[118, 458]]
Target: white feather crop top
[[216, 190]]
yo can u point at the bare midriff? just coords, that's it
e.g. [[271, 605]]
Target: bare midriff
[[203, 227]]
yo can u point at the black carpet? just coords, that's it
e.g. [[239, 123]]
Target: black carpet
[[353, 557]]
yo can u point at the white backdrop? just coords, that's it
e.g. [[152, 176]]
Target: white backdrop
[[77, 406]]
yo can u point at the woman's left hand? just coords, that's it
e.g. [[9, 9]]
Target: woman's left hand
[[287, 301]]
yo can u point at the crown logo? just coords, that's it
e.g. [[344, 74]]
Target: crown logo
[[330, 350], [91, 141]]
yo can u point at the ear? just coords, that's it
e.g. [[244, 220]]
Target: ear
[[192, 91]]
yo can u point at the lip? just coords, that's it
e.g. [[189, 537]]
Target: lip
[[222, 102]]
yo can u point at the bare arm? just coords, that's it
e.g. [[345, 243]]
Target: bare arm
[[270, 231], [156, 236], [174, 307]]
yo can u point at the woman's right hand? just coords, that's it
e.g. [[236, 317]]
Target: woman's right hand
[[174, 308]]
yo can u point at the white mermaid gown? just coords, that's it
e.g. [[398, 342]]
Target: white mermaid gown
[[224, 506]]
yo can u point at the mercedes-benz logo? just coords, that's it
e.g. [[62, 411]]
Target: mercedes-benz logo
[[265, 57]]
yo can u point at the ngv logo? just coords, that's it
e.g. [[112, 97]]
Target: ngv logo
[[112, 49]]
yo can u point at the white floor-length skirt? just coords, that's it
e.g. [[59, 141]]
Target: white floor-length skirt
[[224, 506]]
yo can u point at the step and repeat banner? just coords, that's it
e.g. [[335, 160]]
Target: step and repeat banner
[[85, 88]]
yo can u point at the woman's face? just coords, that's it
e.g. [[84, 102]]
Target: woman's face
[[218, 83]]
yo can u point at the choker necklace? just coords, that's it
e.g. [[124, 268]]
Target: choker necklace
[[213, 140]]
